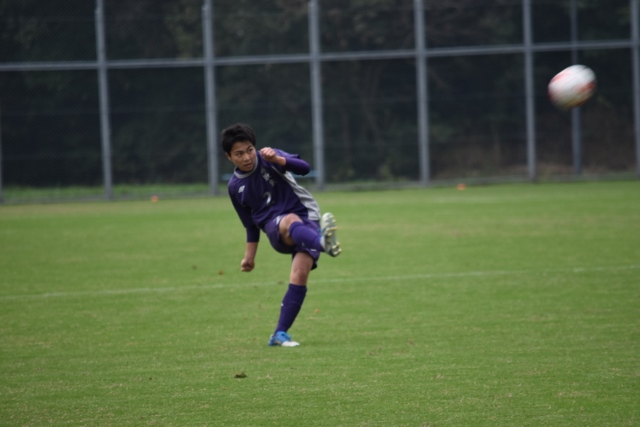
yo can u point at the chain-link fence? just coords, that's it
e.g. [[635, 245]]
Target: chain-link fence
[[118, 98]]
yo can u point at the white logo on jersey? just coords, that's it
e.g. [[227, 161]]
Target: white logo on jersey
[[241, 189]]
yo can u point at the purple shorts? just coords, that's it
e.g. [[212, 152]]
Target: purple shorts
[[273, 233]]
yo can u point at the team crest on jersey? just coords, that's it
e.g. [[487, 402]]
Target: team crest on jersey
[[267, 177], [241, 189]]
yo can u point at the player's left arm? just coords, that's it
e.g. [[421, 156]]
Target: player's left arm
[[288, 162], [271, 156]]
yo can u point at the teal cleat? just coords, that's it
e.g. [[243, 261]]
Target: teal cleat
[[282, 339]]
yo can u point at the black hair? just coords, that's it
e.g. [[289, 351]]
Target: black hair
[[235, 133]]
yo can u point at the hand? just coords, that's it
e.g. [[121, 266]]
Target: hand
[[247, 265], [270, 155]]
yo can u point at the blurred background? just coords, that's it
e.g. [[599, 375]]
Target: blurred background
[[118, 98]]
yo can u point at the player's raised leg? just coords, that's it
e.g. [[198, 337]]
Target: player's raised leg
[[328, 239], [295, 231]]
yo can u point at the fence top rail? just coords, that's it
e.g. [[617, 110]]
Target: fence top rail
[[304, 57]]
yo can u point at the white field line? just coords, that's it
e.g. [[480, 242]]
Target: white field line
[[106, 292]]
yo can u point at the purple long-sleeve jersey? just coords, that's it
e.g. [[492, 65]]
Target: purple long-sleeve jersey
[[270, 190]]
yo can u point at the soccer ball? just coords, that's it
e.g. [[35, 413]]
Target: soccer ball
[[572, 87]]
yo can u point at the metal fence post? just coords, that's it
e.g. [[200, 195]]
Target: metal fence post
[[635, 67], [529, 90], [210, 87], [423, 96], [1, 192], [103, 84], [316, 93], [576, 116]]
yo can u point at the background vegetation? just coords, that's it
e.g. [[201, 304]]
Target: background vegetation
[[50, 119]]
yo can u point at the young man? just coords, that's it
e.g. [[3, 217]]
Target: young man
[[267, 197]]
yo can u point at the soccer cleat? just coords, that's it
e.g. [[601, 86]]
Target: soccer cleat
[[282, 339], [329, 241]]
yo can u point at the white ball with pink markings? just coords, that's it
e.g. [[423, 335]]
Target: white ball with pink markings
[[572, 86]]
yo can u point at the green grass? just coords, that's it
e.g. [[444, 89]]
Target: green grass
[[509, 305], [17, 195]]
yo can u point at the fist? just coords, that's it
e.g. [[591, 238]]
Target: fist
[[269, 154], [247, 265]]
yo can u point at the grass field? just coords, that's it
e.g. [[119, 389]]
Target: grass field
[[507, 305]]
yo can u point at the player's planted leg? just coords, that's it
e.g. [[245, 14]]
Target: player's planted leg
[[301, 266], [291, 304]]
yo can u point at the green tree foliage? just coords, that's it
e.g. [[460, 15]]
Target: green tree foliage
[[153, 29], [249, 27], [48, 119], [56, 30]]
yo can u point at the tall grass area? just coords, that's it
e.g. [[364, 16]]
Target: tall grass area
[[506, 305]]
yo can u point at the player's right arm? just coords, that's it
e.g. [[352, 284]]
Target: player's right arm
[[253, 232], [248, 262]]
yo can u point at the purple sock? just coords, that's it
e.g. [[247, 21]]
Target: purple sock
[[291, 304], [305, 236]]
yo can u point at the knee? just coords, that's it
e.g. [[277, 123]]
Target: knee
[[300, 268], [289, 219], [285, 226], [299, 276]]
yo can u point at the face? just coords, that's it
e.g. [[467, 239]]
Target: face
[[243, 156]]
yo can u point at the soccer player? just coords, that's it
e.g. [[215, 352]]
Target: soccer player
[[267, 197]]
